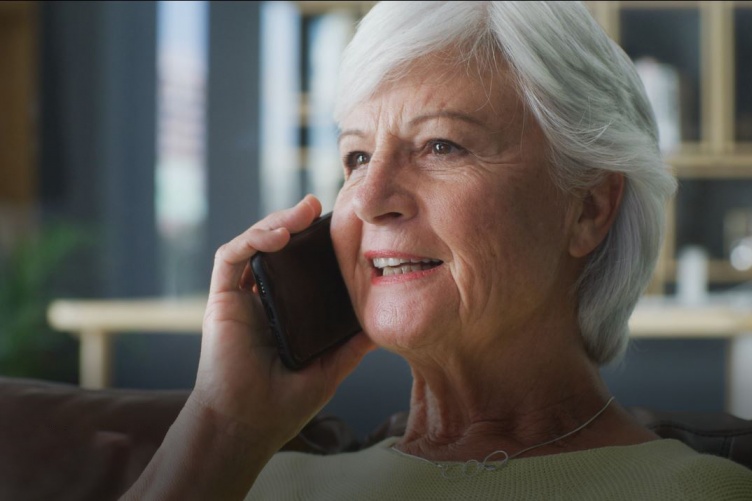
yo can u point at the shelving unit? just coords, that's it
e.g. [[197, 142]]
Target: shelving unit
[[717, 153], [708, 43]]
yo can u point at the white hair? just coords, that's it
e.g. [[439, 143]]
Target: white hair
[[589, 102]]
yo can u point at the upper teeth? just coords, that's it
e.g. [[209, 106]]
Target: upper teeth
[[383, 262]]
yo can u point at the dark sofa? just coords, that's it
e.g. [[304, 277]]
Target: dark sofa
[[62, 442]]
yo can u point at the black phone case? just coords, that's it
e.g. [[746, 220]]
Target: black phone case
[[304, 295]]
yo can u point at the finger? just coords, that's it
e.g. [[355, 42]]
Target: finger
[[296, 218], [290, 221], [232, 258], [268, 235]]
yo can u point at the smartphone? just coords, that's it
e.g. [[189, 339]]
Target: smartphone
[[304, 295]]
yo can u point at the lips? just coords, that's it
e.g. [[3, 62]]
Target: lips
[[389, 266]]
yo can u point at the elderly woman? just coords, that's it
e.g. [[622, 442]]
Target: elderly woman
[[508, 147]]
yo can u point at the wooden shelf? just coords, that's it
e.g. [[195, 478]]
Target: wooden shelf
[[703, 164], [96, 323], [659, 4], [312, 8], [720, 271]]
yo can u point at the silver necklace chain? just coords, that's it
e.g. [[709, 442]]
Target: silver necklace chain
[[473, 467]]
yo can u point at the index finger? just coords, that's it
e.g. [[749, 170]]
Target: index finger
[[268, 235]]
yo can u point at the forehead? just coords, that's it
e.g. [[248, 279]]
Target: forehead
[[432, 84]]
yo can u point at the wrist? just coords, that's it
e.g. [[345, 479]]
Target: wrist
[[205, 455], [230, 434]]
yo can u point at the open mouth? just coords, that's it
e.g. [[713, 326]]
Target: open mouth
[[387, 266]]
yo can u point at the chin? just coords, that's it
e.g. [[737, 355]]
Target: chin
[[396, 328]]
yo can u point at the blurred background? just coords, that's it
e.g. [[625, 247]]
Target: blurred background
[[136, 137]]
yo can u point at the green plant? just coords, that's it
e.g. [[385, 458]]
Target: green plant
[[28, 346]]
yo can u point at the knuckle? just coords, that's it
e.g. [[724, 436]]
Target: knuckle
[[221, 252]]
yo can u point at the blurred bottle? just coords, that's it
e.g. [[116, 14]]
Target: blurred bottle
[[692, 276], [737, 227]]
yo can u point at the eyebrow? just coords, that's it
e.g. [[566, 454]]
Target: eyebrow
[[455, 115]]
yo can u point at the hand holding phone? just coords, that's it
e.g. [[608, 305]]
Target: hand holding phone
[[304, 295]]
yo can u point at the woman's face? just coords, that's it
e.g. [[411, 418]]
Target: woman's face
[[448, 229]]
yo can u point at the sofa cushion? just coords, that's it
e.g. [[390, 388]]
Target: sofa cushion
[[716, 433], [61, 442]]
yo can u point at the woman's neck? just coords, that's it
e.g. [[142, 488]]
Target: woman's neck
[[464, 407]]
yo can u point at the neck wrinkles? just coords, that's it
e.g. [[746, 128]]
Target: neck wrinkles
[[465, 411]]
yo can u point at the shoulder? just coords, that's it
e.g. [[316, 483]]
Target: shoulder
[[706, 476], [674, 469], [656, 470]]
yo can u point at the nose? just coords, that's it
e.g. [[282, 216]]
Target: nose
[[386, 194]]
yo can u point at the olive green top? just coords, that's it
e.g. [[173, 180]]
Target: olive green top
[[658, 470]]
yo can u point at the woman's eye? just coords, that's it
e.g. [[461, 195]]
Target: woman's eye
[[356, 159], [441, 147]]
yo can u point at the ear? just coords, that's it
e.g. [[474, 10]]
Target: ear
[[596, 213]]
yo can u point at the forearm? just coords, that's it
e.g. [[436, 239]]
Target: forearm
[[204, 456], [245, 404]]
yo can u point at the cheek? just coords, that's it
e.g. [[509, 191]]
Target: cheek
[[483, 245], [346, 231], [500, 243]]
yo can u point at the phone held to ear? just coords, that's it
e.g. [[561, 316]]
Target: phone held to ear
[[304, 295]]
